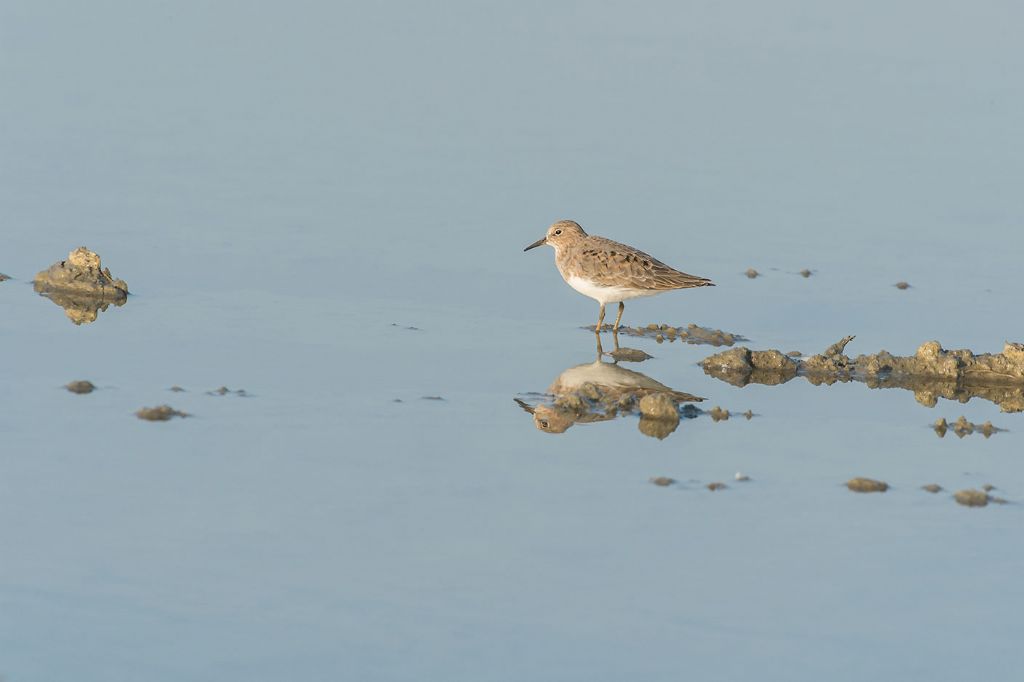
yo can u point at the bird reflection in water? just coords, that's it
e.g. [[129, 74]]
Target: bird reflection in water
[[600, 391]]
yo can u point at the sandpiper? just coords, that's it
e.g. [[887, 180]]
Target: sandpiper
[[608, 271]]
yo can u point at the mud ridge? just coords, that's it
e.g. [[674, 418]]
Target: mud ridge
[[931, 373]]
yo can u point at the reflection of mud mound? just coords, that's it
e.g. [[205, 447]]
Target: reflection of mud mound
[[689, 334], [931, 373], [81, 286], [80, 310], [961, 427]]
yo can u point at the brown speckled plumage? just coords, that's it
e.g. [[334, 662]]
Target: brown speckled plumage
[[609, 263]]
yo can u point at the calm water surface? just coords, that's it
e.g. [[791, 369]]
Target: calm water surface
[[286, 190]]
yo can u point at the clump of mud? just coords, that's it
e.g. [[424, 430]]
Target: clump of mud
[[867, 485], [931, 373], [741, 366], [961, 427], [691, 333], [663, 481], [902, 286], [80, 387], [971, 497], [805, 273], [659, 415], [752, 273], [718, 414], [629, 355], [161, 413], [659, 406], [717, 485], [224, 390], [81, 286], [81, 274], [3, 277]]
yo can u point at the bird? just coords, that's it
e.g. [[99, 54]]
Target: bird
[[608, 271]]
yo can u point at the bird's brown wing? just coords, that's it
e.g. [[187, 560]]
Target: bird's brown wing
[[609, 263]]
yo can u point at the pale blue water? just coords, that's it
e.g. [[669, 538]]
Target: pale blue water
[[279, 185]]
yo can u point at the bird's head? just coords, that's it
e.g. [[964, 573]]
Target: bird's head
[[561, 234], [548, 418]]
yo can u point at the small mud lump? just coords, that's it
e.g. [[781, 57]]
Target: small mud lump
[[971, 497], [80, 387], [718, 414], [659, 415], [629, 355], [161, 413], [867, 485], [659, 406]]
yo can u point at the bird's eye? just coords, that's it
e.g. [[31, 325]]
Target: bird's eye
[[543, 425], [558, 232]]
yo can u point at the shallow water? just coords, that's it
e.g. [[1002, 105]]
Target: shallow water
[[280, 188]]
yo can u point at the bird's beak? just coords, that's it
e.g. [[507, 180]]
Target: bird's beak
[[540, 242], [523, 404]]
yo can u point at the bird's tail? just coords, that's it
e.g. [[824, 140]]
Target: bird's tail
[[684, 281]]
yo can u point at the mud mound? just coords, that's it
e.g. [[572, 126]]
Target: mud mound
[[931, 373]]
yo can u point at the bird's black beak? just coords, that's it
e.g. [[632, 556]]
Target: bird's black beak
[[523, 404], [540, 242]]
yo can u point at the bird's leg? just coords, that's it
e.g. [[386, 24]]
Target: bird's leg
[[622, 306], [615, 337], [600, 350], [600, 319]]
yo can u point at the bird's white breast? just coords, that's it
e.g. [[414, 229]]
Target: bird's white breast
[[602, 295], [607, 375]]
